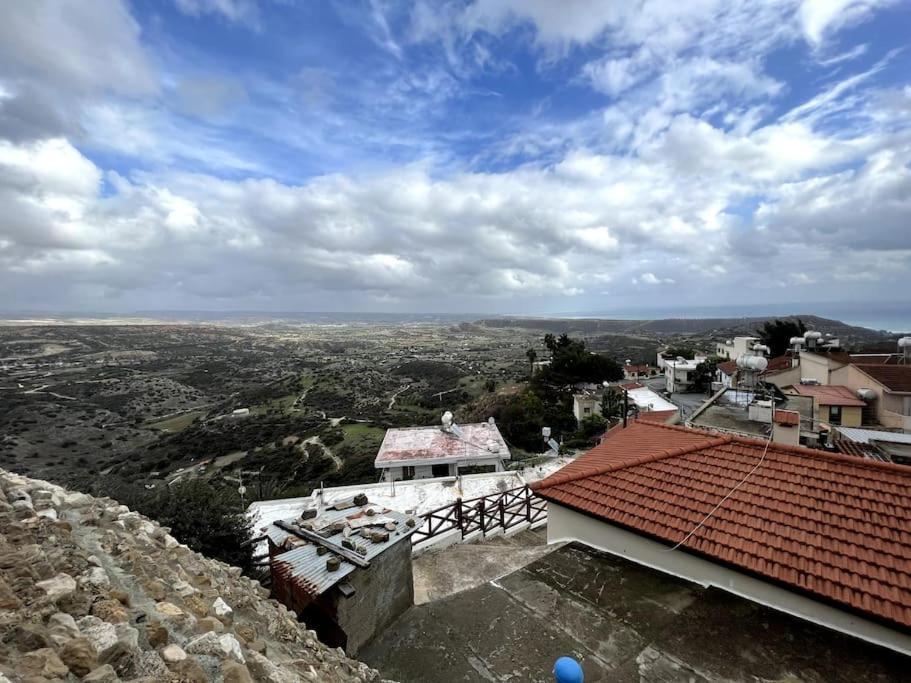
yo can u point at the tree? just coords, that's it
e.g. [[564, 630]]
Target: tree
[[532, 356], [592, 425], [207, 519], [680, 352], [704, 374], [572, 362], [612, 403], [550, 342], [776, 334]]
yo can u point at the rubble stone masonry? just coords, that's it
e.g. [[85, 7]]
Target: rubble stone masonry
[[90, 591]]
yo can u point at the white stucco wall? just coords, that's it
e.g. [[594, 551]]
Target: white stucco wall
[[565, 524]]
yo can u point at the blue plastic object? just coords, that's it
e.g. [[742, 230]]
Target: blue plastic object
[[567, 670]]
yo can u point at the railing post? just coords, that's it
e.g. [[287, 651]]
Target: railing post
[[528, 504], [481, 517], [459, 520], [502, 515]]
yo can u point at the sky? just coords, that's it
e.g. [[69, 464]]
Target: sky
[[491, 156]]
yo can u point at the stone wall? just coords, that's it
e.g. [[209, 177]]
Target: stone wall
[[92, 591]]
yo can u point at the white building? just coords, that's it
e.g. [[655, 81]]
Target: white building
[[647, 400], [732, 349], [586, 405], [680, 373], [425, 452]]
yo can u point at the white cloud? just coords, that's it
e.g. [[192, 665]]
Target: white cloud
[[818, 18], [76, 46], [238, 11]]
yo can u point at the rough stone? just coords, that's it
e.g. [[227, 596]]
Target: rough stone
[[245, 631], [171, 654], [223, 646], [96, 593], [43, 662], [149, 665], [196, 605], [122, 657], [79, 655], [221, 610], [8, 599], [59, 587], [111, 611], [157, 634], [169, 609], [61, 627], [190, 671], [101, 634], [31, 637], [233, 672], [210, 624], [103, 674]]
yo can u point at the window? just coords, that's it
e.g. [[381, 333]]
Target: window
[[835, 415], [408, 473], [439, 470], [586, 410]]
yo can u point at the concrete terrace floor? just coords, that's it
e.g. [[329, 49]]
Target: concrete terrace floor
[[623, 621]]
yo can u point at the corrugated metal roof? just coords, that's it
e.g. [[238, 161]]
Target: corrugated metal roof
[[306, 568], [868, 435]]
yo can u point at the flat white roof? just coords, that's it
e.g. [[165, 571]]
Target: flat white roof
[[647, 399], [416, 445]]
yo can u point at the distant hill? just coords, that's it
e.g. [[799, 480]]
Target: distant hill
[[720, 327]]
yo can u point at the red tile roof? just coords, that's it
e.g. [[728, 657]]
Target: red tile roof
[[777, 364], [729, 367], [787, 417], [831, 526], [829, 394], [632, 385], [660, 416], [895, 378]]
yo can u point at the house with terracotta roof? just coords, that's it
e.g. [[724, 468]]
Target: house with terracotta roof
[[833, 404], [821, 536], [888, 387], [639, 371]]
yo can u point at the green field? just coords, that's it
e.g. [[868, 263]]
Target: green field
[[177, 423]]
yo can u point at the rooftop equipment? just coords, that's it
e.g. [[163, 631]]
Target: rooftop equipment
[[904, 348], [812, 338]]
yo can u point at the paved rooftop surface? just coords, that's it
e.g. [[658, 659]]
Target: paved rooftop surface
[[411, 445], [624, 622]]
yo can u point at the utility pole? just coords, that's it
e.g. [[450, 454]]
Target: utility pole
[[625, 405]]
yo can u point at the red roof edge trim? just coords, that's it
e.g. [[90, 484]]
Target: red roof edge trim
[[596, 471]]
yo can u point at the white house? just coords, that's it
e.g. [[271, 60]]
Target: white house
[[732, 349], [586, 405], [828, 549], [425, 452], [679, 373]]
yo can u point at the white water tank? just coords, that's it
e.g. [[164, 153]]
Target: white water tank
[[866, 394], [904, 343], [752, 363]]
